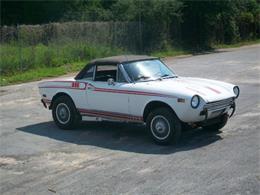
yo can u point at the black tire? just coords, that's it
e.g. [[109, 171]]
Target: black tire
[[219, 125], [167, 122], [72, 119]]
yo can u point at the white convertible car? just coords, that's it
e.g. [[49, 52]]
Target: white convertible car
[[139, 89]]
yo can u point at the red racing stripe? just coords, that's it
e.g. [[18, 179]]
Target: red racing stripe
[[74, 85], [199, 92], [109, 114], [131, 92], [216, 91]]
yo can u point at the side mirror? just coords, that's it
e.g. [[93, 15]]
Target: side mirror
[[110, 81]]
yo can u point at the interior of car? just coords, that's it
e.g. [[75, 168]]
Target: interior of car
[[104, 75]]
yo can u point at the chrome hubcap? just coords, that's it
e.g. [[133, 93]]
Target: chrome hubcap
[[160, 127], [63, 113]]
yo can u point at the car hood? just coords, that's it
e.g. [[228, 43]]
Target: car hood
[[209, 90]]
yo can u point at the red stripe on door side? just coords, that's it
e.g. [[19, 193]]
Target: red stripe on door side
[[132, 92], [76, 86], [109, 114], [73, 86]]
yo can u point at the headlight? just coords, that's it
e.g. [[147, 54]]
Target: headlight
[[236, 91], [195, 101]]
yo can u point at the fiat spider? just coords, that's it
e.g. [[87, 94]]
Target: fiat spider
[[140, 89]]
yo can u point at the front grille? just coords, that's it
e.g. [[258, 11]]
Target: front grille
[[219, 104]]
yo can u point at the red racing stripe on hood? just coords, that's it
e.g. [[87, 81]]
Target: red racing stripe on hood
[[216, 91]]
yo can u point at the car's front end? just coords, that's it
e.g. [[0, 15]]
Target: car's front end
[[194, 100], [205, 110]]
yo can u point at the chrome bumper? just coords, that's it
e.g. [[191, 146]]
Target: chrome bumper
[[221, 110]]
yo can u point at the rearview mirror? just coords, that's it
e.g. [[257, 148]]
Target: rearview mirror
[[110, 81]]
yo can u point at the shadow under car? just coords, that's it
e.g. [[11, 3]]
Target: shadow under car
[[121, 136]]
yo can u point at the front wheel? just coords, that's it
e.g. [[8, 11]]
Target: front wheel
[[64, 113], [163, 126]]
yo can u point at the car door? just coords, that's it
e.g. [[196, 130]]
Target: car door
[[107, 98]]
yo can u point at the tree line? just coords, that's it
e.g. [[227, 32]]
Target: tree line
[[164, 23]]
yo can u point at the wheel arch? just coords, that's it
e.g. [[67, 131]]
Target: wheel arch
[[59, 94], [153, 105]]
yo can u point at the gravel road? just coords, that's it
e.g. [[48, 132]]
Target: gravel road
[[113, 158]]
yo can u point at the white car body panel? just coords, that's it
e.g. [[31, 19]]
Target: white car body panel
[[127, 101], [107, 101]]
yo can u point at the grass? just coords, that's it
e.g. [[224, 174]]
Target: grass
[[40, 73], [19, 59], [23, 64], [29, 63]]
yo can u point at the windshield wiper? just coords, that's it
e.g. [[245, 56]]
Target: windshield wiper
[[169, 77], [166, 76], [142, 77]]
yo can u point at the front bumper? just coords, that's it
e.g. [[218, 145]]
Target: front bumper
[[212, 114]]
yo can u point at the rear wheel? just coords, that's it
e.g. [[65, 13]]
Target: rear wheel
[[64, 113], [216, 127], [163, 126]]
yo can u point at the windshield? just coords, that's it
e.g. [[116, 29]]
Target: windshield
[[148, 70]]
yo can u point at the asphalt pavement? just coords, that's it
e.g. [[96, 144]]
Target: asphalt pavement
[[115, 158]]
